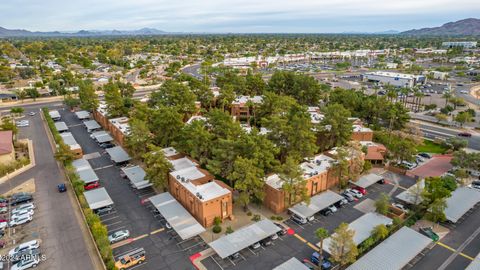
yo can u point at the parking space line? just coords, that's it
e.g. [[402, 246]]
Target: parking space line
[[104, 167], [454, 250], [157, 231], [140, 237], [113, 223], [312, 246], [110, 218]]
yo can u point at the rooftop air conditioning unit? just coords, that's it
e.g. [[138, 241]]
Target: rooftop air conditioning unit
[[178, 176], [183, 179]]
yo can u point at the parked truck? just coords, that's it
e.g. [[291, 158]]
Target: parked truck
[[130, 259]]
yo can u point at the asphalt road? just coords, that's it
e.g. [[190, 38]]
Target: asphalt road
[[467, 97], [55, 221], [162, 251], [437, 131]]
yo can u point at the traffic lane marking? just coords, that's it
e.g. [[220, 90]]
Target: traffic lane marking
[[130, 240], [454, 250], [312, 246]]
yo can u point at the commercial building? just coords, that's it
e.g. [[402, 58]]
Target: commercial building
[[463, 44], [317, 173], [240, 108], [198, 191], [395, 79], [7, 153]]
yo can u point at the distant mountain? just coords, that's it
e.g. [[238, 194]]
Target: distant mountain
[[388, 32], [25, 33], [466, 27]]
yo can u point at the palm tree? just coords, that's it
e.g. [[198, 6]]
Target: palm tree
[[321, 234], [447, 97], [419, 96]]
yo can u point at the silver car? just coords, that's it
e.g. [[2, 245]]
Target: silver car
[[118, 236]]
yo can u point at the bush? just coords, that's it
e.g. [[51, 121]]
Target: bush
[[217, 221], [229, 230], [216, 229], [256, 218], [249, 213]]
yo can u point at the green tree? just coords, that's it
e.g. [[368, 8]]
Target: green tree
[[382, 204], [437, 188], [341, 168], [157, 166], [165, 124], [32, 92], [71, 102], [254, 84], [441, 117], [380, 232], [463, 117], [114, 100], [455, 143], [17, 111], [175, 94], [294, 185], [436, 211], [321, 234], [342, 247], [8, 124], [64, 154], [248, 179], [88, 97], [337, 129], [196, 140], [139, 138]]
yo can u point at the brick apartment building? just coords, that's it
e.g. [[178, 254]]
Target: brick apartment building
[[197, 190], [361, 133], [118, 127], [319, 177], [239, 107]]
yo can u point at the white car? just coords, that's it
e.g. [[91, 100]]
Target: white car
[[22, 213], [3, 225], [29, 262], [31, 113], [400, 206], [464, 92], [355, 193], [27, 206], [20, 220], [332, 208], [23, 246], [118, 236]]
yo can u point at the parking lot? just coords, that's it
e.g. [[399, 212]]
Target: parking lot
[[131, 211]]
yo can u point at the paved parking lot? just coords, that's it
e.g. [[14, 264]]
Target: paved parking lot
[[436, 166], [163, 250]]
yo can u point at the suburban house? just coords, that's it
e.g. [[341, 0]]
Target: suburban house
[[317, 172], [7, 152], [240, 106], [197, 190], [375, 151]]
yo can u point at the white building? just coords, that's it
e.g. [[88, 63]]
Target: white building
[[395, 79], [464, 44]]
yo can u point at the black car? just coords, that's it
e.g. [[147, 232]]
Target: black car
[[3, 200], [21, 199], [348, 196], [476, 184], [104, 210], [282, 231], [20, 194], [106, 145], [326, 212], [341, 203], [266, 242], [425, 155]]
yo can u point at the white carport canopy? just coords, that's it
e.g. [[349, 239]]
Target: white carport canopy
[[413, 194], [91, 125], [292, 264], [85, 171], [55, 115], [102, 136], [462, 200], [117, 154], [244, 237], [394, 253], [317, 203], [97, 198], [367, 180], [82, 115], [136, 175], [475, 264], [180, 219], [61, 126], [363, 227]]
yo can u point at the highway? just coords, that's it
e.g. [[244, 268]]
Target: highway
[[431, 132]]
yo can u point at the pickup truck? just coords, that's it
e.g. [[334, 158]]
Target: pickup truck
[[130, 259]]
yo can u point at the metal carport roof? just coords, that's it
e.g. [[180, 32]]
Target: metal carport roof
[[82, 115], [244, 237], [363, 227], [97, 198], [91, 125], [292, 264], [462, 200], [475, 264], [317, 203], [367, 180], [61, 126], [178, 217], [69, 140], [104, 137], [413, 194], [117, 154], [136, 175], [394, 253]]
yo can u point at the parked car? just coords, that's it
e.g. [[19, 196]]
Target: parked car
[[23, 246], [90, 186], [20, 194], [326, 212], [31, 113], [104, 210], [348, 196], [322, 262], [464, 134], [428, 231], [62, 187], [3, 210], [333, 208], [408, 165], [255, 245], [23, 123], [274, 236], [3, 225], [168, 226], [4, 200], [266, 242], [22, 212], [3, 204], [475, 184], [282, 231], [21, 199], [234, 256], [118, 236], [29, 262], [341, 203], [20, 220], [400, 206], [107, 145], [298, 219], [361, 190], [355, 193], [26, 206], [24, 254]]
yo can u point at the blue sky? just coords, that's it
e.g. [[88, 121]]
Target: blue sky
[[239, 16]]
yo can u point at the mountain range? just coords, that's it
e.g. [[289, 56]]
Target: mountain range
[[82, 33], [466, 27]]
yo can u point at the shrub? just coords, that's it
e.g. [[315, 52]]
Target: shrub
[[249, 213], [229, 230], [256, 217], [217, 221], [217, 229], [279, 218]]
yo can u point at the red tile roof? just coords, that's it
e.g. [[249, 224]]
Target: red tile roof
[[376, 152], [6, 146]]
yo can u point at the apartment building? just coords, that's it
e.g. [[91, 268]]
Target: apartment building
[[240, 106], [118, 127], [361, 133], [319, 177], [197, 190]]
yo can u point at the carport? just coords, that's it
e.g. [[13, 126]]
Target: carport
[[363, 227], [102, 137], [85, 171], [292, 264], [118, 155], [317, 203], [91, 125], [367, 180], [413, 194], [462, 200], [243, 238], [184, 224], [475, 264], [136, 175], [69, 140], [395, 252], [82, 115], [61, 126], [98, 198], [55, 115]]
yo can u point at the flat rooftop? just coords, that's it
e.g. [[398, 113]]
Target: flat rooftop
[[69, 140], [394, 75], [169, 152], [182, 163], [204, 192]]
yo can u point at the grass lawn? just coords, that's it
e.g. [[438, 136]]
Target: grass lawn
[[431, 147]]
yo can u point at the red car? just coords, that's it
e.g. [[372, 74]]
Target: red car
[[464, 134], [361, 190], [3, 204], [91, 186]]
